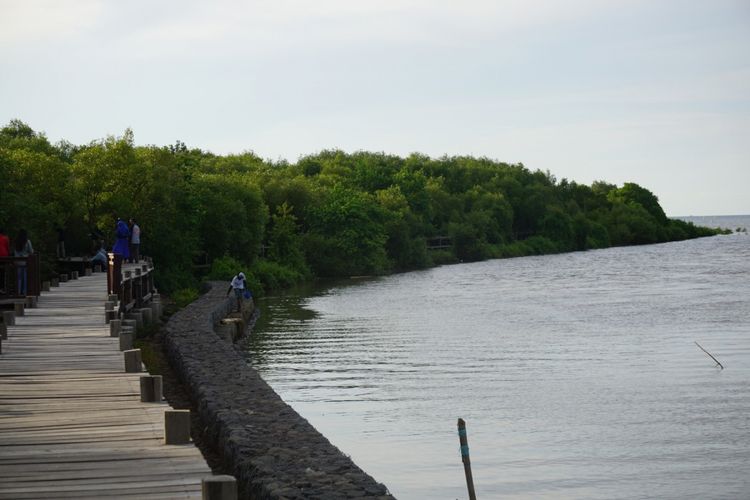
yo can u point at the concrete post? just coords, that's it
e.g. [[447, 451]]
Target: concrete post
[[147, 315], [9, 318], [19, 308], [133, 361], [113, 298], [54, 282], [1, 345], [109, 316], [219, 488], [177, 426], [46, 286], [155, 307], [31, 301], [137, 316], [97, 268], [63, 278], [126, 339], [130, 323], [74, 275], [151, 389], [87, 271], [114, 327], [109, 306], [3, 331]]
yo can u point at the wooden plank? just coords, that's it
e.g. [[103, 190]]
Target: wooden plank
[[71, 421]]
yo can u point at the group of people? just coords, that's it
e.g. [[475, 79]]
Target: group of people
[[21, 248], [128, 242]]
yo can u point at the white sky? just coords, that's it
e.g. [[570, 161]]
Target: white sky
[[655, 92]]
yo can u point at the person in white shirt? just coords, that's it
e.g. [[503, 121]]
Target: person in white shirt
[[238, 285], [135, 241]]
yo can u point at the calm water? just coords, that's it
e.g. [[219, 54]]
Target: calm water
[[577, 374]]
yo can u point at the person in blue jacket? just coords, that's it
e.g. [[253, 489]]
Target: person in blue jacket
[[122, 245]]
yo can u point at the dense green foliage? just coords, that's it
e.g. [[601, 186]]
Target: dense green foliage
[[329, 214]]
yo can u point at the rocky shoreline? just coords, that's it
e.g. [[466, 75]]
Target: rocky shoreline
[[272, 451]]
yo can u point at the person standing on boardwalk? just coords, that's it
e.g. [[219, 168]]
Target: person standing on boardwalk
[[4, 252], [23, 248], [122, 244], [135, 241], [238, 285]]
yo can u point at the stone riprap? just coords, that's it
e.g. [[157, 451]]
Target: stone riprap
[[272, 451]]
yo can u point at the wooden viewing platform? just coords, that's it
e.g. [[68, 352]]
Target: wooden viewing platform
[[72, 424]]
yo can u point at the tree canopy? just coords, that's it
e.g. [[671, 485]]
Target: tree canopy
[[329, 214]]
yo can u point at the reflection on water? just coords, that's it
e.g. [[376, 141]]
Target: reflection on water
[[577, 374]]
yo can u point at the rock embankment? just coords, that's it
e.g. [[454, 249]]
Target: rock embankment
[[272, 451]]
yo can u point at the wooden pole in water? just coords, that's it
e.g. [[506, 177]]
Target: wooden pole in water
[[463, 439], [717, 361]]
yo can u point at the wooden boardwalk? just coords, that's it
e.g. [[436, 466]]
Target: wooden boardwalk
[[71, 421]]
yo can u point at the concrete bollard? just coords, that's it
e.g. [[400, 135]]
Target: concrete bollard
[[46, 286], [74, 275], [54, 282], [87, 271], [97, 268], [177, 426], [1, 345], [112, 298], [19, 308], [219, 488], [31, 302], [3, 331], [63, 278], [109, 306], [9, 318], [133, 361], [151, 389], [155, 311], [129, 323], [114, 327], [137, 316], [126, 339], [147, 315], [109, 316]]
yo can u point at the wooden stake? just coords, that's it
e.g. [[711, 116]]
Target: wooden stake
[[463, 439], [717, 361]]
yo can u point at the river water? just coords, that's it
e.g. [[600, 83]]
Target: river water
[[577, 374]]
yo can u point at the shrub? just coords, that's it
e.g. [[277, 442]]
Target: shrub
[[225, 268], [273, 275]]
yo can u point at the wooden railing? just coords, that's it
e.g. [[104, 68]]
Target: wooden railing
[[9, 267], [133, 287]]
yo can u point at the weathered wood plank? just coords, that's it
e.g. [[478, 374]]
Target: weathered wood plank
[[71, 421]]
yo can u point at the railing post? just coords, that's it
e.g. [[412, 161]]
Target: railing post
[[110, 273]]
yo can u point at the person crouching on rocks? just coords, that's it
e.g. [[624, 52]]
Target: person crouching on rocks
[[238, 285]]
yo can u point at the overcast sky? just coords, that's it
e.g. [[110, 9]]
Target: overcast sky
[[655, 92]]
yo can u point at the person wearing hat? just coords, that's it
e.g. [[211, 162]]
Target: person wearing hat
[[238, 285]]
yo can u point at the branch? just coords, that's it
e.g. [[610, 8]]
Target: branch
[[717, 361]]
